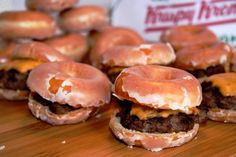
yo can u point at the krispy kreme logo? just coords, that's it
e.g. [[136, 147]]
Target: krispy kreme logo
[[205, 12]]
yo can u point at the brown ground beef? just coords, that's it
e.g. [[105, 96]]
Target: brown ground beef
[[198, 73], [12, 79], [212, 98], [53, 107], [173, 123]]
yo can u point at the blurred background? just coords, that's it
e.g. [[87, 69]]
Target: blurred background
[[221, 15], [20, 4]]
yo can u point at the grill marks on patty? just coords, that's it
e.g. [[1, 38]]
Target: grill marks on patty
[[53, 107], [212, 98], [172, 123], [198, 73], [12, 79]]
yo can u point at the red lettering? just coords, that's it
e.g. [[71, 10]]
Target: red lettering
[[155, 15], [204, 10], [210, 13], [150, 16], [209, 10]]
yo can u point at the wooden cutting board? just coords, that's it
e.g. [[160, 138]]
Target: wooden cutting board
[[23, 135]]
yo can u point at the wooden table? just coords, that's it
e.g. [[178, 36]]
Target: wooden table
[[23, 135]]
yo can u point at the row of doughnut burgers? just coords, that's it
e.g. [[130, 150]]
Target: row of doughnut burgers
[[39, 51], [160, 105]]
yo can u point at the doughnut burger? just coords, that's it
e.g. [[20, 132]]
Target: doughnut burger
[[110, 37], [158, 107], [72, 45], [14, 72], [116, 58], [205, 60], [188, 35], [67, 92], [219, 97]]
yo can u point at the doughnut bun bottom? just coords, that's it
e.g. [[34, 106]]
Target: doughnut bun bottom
[[151, 141], [10, 94], [222, 115], [43, 113]]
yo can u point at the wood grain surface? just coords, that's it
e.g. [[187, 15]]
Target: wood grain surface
[[23, 135]]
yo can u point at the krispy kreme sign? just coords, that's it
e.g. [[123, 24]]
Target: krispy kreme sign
[[151, 17]]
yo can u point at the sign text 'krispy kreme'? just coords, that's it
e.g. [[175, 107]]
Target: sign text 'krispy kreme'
[[151, 17]]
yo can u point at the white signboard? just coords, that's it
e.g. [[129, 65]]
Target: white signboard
[[151, 17]]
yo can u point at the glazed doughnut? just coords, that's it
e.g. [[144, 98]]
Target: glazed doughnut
[[153, 142], [38, 51], [143, 54], [72, 45], [118, 57], [233, 63], [182, 36], [6, 50], [219, 97], [94, 34], [15, 71], [110, 37], [222, 115], [26, 24], [77, 85], [135, 83], [205, 60], [153, 101], [49, 5], [84, 18]]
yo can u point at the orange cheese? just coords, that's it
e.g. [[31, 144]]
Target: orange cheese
[[144, 113], [21, 65], [226, 82]]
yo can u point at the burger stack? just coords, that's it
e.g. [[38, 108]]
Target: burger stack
[[147, 116], [163, 90], [39, 55], [211, 61]]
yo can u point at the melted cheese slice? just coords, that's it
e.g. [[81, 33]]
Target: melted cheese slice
[[144, 113], [226, 82], [21, 65], [115, 70]]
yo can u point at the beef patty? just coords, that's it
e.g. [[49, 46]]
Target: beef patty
[[212, 98], [12, 79], [173, 123], [53, 107], [198, 73]]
